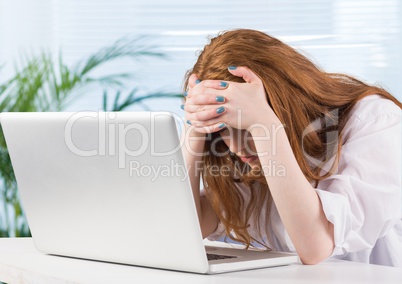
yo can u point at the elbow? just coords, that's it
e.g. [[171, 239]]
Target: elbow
[[311, 260], [320, 249], [315, 258]]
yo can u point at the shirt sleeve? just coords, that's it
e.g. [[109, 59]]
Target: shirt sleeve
[[363, 198]]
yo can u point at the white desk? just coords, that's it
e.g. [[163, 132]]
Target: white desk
[[21, 263]]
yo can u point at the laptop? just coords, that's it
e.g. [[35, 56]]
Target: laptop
[[113, 186]]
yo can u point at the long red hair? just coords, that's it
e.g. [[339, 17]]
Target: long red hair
[[300, 93]]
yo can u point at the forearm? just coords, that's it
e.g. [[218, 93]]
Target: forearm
[[193, 151], [209, 218], [296, 200]]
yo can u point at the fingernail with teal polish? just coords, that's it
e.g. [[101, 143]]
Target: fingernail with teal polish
[[197, 81], [188, 122], [182, 107], [223, 84], [220, 99], [185, 94], [220, 110], [222, 125], [232, 67]]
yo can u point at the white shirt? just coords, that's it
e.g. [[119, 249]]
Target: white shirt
[[363, 198]]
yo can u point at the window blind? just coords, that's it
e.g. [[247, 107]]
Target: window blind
[[358, 37]]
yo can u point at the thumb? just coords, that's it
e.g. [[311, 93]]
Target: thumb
[[245, 73]]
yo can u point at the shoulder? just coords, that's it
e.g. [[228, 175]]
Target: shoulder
[[373, 107], [371, 114]]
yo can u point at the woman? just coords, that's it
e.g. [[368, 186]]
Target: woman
[[292, 158]]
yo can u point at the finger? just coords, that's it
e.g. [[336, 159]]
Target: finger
[[248, 75], [205, 100], [192, 80], [204, 105], [208, 87], [210, 128], [215, 84], [205, 115]]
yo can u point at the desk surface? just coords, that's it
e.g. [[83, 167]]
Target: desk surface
[[21, 263]]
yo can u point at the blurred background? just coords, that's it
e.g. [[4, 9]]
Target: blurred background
[[132, 55], [358, 37]]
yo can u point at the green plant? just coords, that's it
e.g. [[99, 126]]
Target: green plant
[[42, 83]]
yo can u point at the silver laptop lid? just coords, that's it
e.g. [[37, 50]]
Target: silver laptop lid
[[106, 186]]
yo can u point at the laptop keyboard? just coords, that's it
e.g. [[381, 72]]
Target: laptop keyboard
[[212, 256]]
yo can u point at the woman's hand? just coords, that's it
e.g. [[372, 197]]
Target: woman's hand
[[212, 104]]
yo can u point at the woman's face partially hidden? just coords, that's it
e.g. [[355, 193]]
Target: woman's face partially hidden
[[242, 144]]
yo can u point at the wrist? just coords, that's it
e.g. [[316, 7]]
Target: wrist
[[265, 124], [193, 141], [189, 131]]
